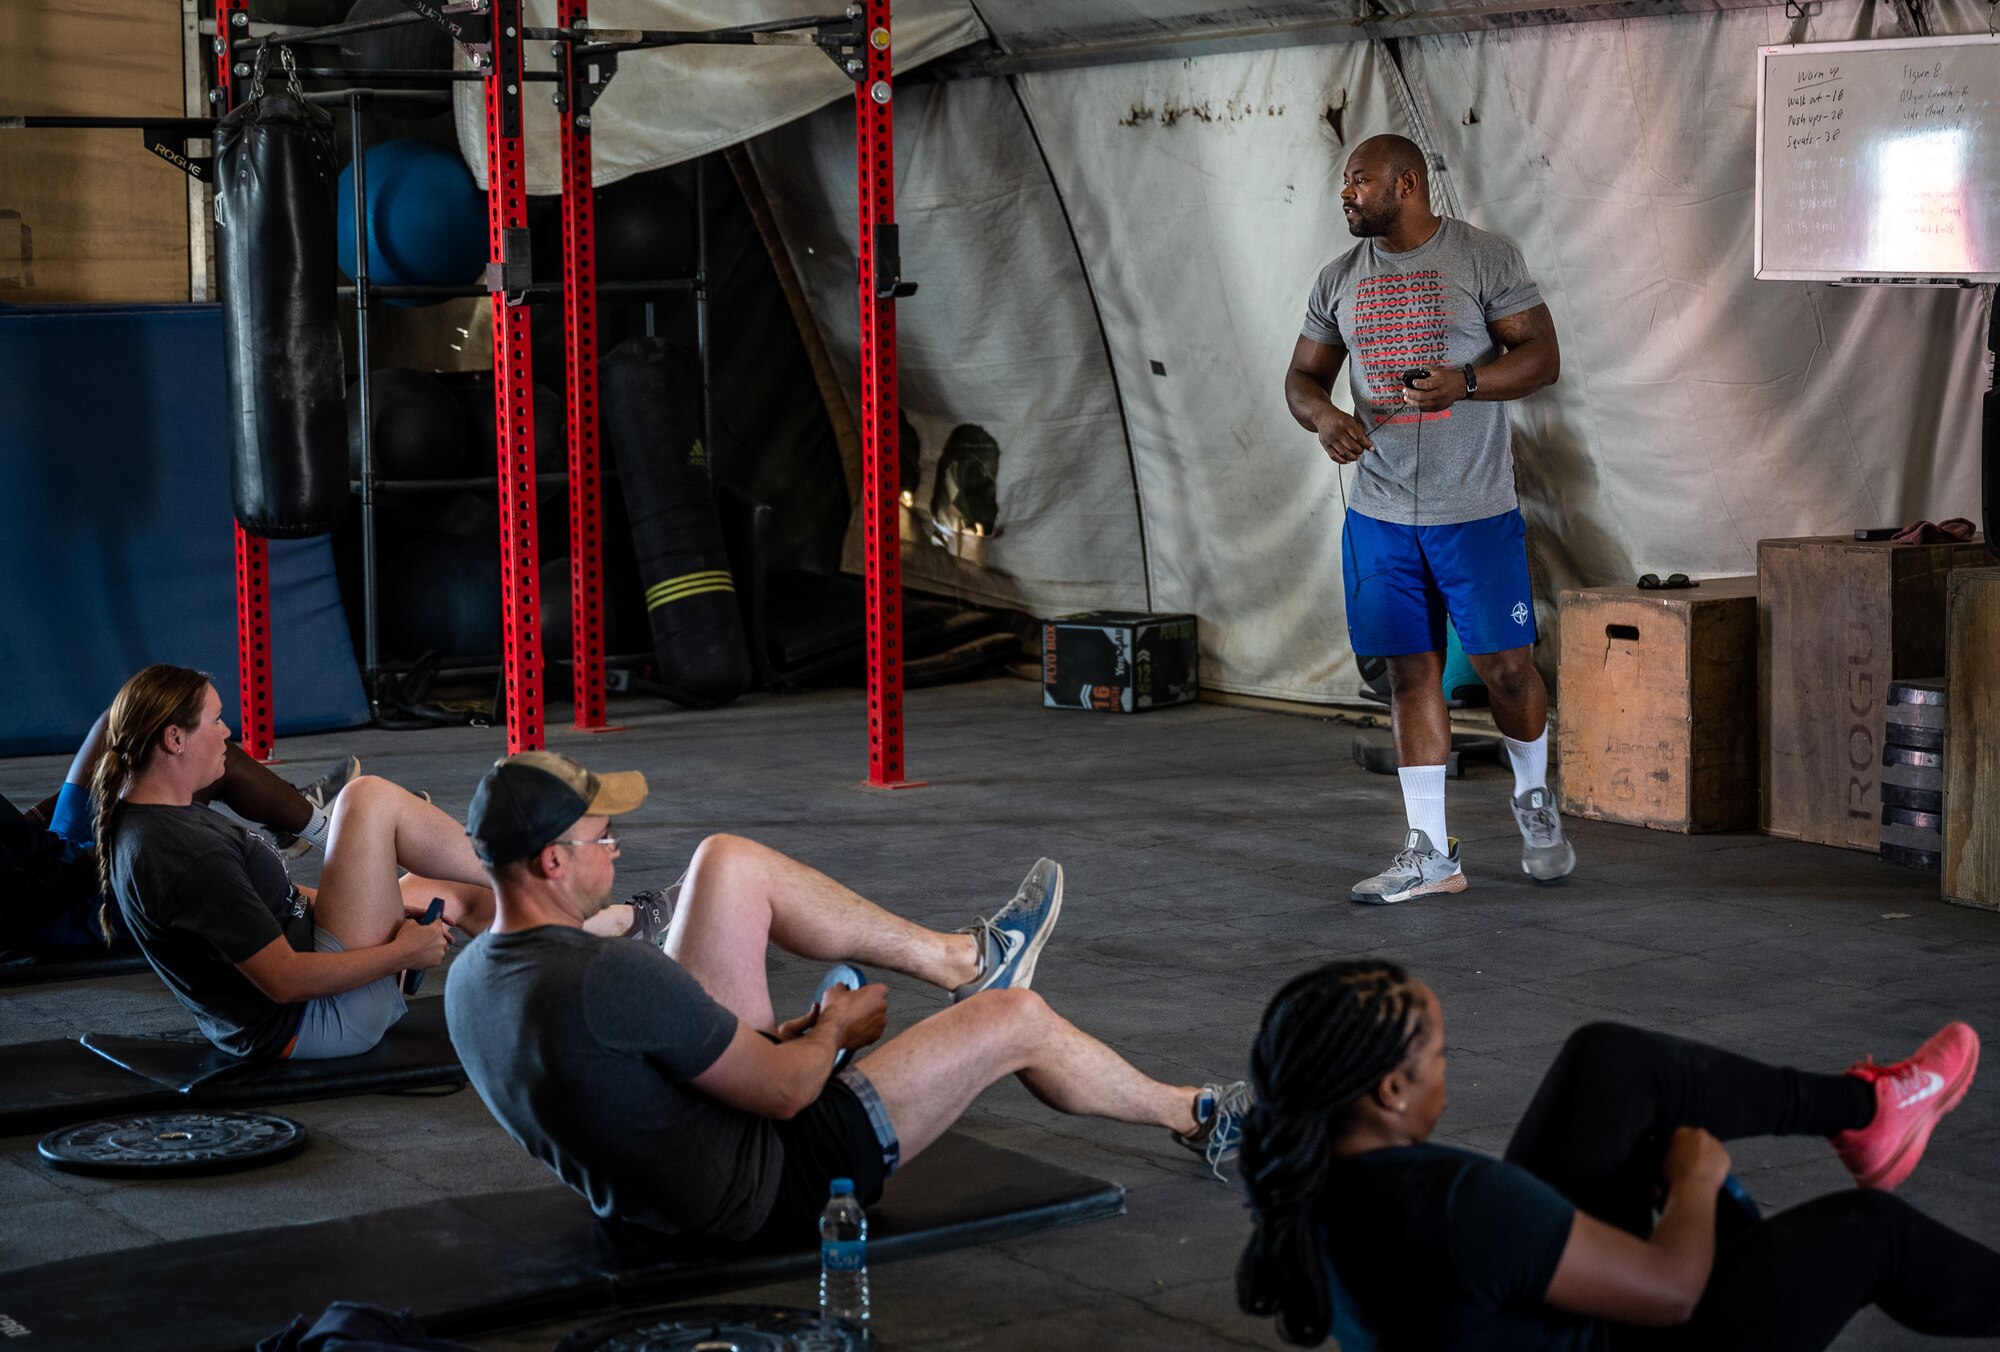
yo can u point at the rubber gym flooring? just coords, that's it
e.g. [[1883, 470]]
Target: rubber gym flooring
[[1208, 852]]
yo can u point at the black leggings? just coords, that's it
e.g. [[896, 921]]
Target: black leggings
[[1598, 1129]]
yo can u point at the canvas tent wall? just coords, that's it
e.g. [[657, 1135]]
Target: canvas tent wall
[[1114, 259]]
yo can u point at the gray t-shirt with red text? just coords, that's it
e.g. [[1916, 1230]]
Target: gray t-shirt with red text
[[1427, 307]]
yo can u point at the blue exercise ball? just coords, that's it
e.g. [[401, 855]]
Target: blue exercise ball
[[426, 216]]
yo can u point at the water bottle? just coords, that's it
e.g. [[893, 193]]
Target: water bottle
[[843, 1255]]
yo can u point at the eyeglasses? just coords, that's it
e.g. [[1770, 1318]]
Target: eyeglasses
[[609, 840]]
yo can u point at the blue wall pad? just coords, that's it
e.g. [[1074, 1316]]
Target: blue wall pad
[[116, 546]]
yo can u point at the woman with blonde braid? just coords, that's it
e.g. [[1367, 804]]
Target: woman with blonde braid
[[1599, 1230], [266, 968]]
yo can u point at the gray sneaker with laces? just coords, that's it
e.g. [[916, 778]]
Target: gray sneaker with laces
[[1545, 855], [1012, 938], [320, 793], [1419, 870], [1221, 1108]]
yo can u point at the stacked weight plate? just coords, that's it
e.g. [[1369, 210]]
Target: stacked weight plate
[[1913, 775]]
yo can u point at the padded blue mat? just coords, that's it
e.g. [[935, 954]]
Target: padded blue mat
[[116, 545]]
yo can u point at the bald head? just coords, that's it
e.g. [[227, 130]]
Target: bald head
[[1386, 187], [1394, 155]]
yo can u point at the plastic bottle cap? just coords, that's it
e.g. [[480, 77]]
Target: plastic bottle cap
[[843, 1187]]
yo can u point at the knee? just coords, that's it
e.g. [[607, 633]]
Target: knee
[[1510, 677], [1596, 1047], [365, 792], [1417, 674], [720, 851], [1013, 1007]]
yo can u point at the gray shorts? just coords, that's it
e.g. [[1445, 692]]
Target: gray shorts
[[350, 1023]]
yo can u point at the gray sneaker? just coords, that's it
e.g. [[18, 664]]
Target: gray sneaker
[[320, 793], [1420, 870], [1012, 938], [1545, 855]]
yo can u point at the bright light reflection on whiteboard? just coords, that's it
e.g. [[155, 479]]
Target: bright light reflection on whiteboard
[[1920, 212]]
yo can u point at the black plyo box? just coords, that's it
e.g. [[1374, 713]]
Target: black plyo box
[[1118, 661]]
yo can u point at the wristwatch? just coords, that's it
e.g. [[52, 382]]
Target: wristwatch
[[1471, 380]]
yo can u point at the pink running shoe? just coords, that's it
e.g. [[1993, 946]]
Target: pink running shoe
[[1910, 1097]]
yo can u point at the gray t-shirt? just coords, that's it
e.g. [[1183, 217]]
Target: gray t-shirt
[[1427, 307], [201, 894], [583, 1047]]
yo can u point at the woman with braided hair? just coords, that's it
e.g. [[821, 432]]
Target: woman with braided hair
[[1599, 1231]]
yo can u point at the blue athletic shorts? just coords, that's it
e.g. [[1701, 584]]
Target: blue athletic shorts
[[1403, 581], [75, 816]]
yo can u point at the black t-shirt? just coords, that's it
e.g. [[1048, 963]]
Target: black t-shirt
[[39, 877], [583, 1047], [1444, 1249], [201, 894]]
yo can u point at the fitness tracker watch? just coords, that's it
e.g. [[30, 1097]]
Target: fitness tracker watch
[[1471, 380]]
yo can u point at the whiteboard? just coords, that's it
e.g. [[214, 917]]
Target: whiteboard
[[1879, 161]]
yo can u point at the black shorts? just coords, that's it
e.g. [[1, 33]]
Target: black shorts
[[834, 1137]]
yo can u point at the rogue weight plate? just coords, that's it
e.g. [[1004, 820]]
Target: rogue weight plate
[[1929, 693], [173, 1144], [1914, 735], [1921, 800], [1929, 861], [722, 1328]]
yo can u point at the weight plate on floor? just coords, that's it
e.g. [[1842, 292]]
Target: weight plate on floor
[[173, 1144], [1921, 800], [722, 1328], [1929, 861], [1914, 735]]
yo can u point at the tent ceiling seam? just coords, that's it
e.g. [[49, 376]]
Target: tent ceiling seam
[[1511, 14]]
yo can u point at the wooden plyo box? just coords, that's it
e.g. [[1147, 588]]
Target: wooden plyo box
[[1972, 740], [1658, 704], [1837, 620]]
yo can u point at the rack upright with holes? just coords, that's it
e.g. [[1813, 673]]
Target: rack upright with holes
[[859, 41]]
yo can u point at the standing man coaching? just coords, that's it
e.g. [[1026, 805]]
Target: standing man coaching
[[1444, 323]]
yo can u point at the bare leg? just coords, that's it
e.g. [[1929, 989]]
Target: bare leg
[[466, 905], [1520, 698], [1417, 712], [253, 792], [929, 1075], [379, 827], [741, 896]]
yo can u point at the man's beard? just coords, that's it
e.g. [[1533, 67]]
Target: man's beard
[[1364, 226]]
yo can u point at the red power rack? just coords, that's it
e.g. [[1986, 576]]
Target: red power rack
[[865, 54]]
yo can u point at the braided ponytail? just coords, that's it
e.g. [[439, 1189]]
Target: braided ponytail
[[1327, 1039], [157, 698]]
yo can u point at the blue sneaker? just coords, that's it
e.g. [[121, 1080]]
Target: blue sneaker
[[1221, 1132], [1012, 939], [840, 974]]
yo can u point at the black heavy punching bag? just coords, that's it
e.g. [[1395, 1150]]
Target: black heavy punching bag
[[274, 217], [652, 411]]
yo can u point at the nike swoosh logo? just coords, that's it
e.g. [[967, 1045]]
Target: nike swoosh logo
[[1932, 1084]]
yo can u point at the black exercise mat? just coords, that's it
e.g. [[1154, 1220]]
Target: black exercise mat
[[468, 1266], [54, 1083], [66, 964]]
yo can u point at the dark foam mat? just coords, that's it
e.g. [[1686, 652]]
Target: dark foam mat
[[469, 1266], [66, 964], [54, 1083]]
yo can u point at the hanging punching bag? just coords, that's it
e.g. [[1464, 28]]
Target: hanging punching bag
[[274, 217], [652, 411]]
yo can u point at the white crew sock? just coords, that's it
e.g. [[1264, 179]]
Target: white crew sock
[[1423, 802], [1530, 761], [315, 830]]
